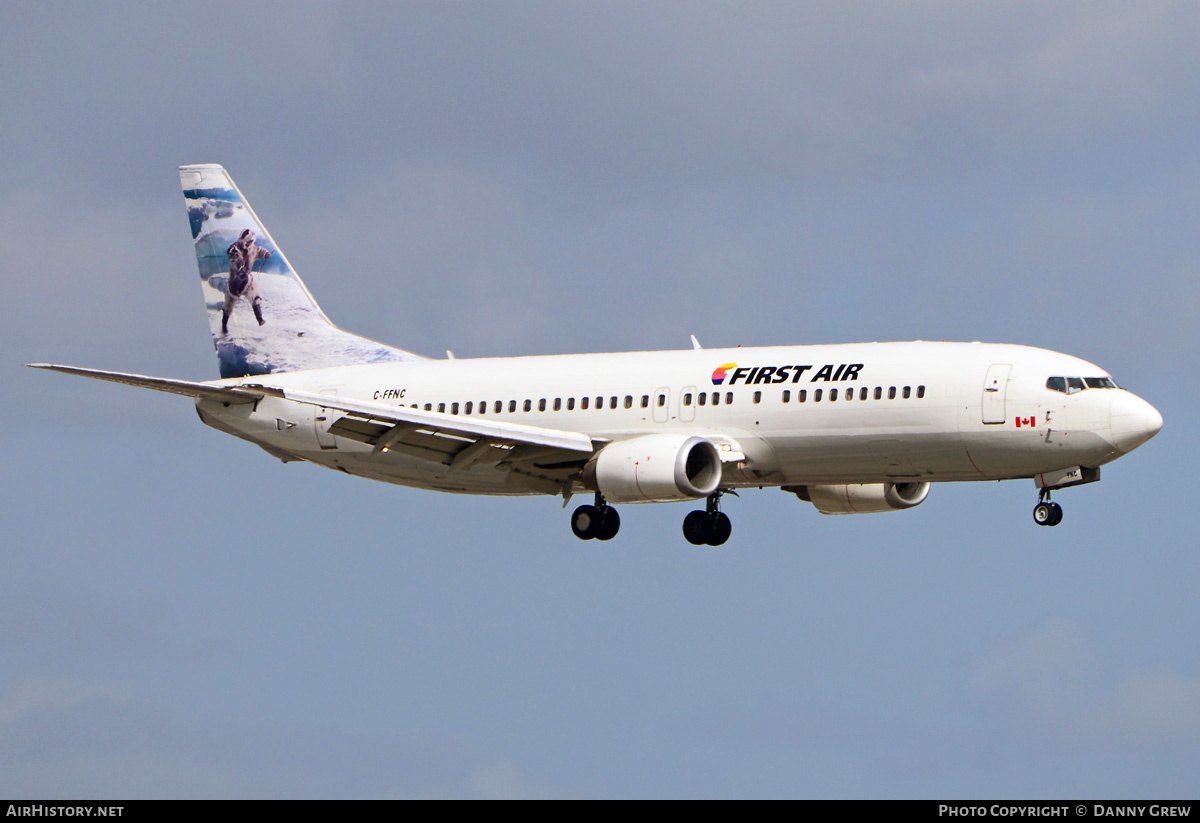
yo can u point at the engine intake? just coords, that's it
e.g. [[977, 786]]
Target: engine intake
[[655, 467]]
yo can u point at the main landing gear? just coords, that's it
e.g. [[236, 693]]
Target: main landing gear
[[1047, 513], [600, 521], [709, 527]]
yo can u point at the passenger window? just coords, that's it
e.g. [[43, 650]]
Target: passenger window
[[817, 396], [687, 399], [662, 400], [802, 395], [716, 398], [702, 398], [528, 405], [878, 392], [1074, 385], [558, 404], [612, 402], [892, 393], [787, 395], [468, 408], [645, 401], [862, 395], [428, 407], [728, 398], [454, 408], [849, 394], [570, 404], [920, 392], [483, 407], [833, 394], [542, 405], [512, 406], [907, 392], [629, 401], [599, 403], [442, 408], [758, 397], [583, 402]]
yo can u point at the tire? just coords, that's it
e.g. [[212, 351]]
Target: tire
[[697, 528], [1042, 514], [586, 522], [1056, 514], [720, 528], [610, 526]]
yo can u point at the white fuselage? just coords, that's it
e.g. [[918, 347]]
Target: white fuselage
[[870, 413]]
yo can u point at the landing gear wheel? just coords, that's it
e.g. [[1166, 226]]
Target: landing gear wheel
[[587, 521], [610, 525], [719, 528], [1042, 514], [1056, 514], [697, 528]]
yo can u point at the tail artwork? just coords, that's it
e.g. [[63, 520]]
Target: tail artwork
[[262, 318]]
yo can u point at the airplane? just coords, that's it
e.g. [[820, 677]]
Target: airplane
[[849, 428]]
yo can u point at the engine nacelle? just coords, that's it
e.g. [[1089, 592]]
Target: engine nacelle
[[863, 498], [656, 467]]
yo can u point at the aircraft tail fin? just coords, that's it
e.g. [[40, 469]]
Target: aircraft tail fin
[[262, 317]]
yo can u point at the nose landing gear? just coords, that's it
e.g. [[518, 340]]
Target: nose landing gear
[[710, 527], [1046, 512], [600, 521]]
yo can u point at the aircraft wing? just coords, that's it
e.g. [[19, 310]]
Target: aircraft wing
[[534, 457], [544, 458]]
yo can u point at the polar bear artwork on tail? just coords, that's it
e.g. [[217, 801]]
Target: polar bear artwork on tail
[[243, 254]]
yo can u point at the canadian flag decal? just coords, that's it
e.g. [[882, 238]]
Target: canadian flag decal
[[1026, 421]]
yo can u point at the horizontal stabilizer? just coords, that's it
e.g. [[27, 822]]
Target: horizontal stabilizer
[[163, 384]]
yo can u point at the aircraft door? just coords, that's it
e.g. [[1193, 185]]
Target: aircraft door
[[322, 421], [687, 404], [995, 393], [661, 405]]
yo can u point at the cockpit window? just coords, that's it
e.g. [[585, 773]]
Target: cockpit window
[[1074, 385]]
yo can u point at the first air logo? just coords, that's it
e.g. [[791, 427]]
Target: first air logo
[[753, 375]]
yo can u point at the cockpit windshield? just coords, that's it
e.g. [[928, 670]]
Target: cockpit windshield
[[1074, 385]]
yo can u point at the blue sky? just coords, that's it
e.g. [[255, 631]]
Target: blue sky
[[181, 615]]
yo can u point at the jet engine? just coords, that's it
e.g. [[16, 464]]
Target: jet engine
[[655, 467], [863, 498]]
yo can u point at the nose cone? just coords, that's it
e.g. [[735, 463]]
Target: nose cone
[[1134, 421]]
